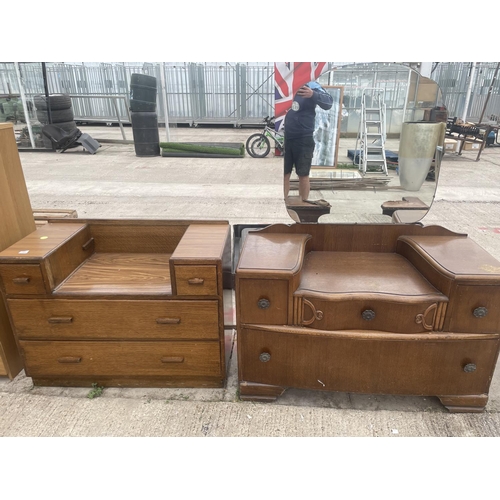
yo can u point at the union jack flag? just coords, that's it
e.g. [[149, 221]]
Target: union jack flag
[[288, 78]]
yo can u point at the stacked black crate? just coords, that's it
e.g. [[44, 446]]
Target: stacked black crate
[[143, 115]]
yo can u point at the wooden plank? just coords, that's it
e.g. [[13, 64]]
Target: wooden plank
[[15, 207], [3, 370], [16, 216]]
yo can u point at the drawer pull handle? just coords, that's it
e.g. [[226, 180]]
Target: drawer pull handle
[[86, 246], [21, 281], [265, 357], [317, 315], [368, 315], [420, 318], [168, 321], [470, 367], [264, 304], [61, 319], [196, 281], [172, 359], [69, 359], [480, 312]]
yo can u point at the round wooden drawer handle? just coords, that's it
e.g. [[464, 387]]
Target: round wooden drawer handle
[[264, 304], [470, 367], [368, 315], [480, 312]]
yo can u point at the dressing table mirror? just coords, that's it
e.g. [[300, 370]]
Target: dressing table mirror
[[370, 104], [357, 300]]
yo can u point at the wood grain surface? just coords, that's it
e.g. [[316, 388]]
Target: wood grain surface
[[120, 274], [419, 364], [16, 221], [61, 319], [114, 359], [16, 214], [363, 273], [356, 237], [3, 370], [457, 256], [22, 279], [41, 242], [196, 280], [276, 252], [201, 242]]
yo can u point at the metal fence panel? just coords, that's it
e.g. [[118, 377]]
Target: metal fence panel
[[195, 93], [239, 94], [453, 78]]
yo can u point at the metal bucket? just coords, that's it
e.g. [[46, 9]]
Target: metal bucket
[[417, 147]]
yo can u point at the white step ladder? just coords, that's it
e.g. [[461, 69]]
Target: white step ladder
[[371, 133]]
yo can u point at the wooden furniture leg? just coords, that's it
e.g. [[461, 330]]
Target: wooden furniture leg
[[465, 404], [260, 392]]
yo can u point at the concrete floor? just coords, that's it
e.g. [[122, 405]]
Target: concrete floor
[[115, 183]]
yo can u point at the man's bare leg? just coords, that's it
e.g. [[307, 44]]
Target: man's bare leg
[[286, 185], [304, 187]]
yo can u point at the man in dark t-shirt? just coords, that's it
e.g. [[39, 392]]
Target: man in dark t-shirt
[[299, 130]]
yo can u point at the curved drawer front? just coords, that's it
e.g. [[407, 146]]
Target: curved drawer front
[[116, 359], [363, 314], [369, 362], [114, 319]]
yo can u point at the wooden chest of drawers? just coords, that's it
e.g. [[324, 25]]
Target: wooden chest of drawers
[[123, 303], [385, 309]]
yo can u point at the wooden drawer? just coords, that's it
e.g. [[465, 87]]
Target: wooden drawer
[[114, 319], [367, 362], [196, 280], [475, 309], [263, 301], [374, 314], [22, 279], [121, 359]]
